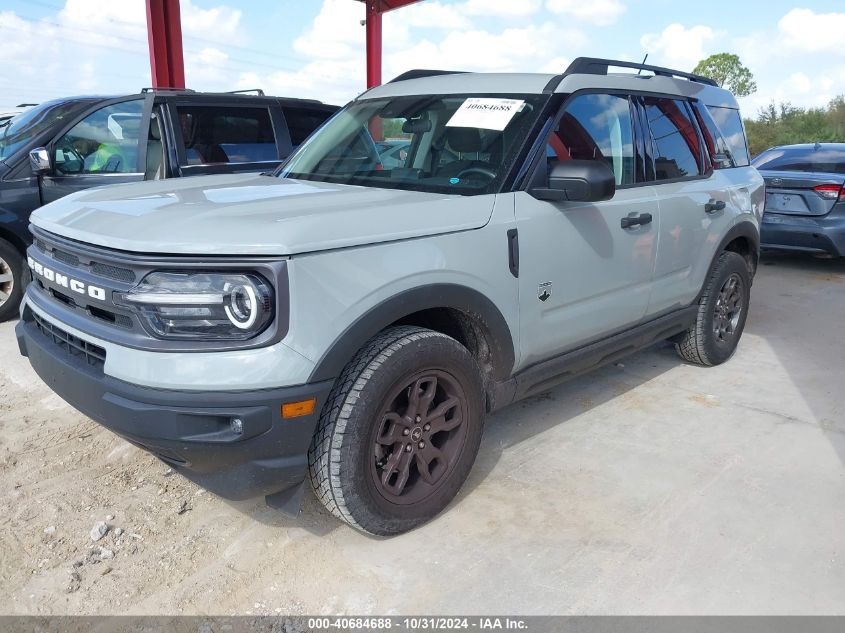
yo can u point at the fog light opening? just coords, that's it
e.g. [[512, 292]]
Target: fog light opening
[[237, 426]]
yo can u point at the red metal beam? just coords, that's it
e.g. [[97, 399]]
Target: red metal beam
[[164, 33], [373, 26], [375, 9]]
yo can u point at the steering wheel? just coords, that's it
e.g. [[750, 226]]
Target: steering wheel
[[478, 170]]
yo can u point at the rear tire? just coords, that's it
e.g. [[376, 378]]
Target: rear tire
[[11, 280], [399, 432], [722, 311]]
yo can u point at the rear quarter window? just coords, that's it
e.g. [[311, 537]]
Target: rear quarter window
[[729, 122]]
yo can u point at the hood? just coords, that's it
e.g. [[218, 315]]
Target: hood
[[249, 214]]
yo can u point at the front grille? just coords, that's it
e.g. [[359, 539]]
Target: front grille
[[98, 268], [67, 258], [93, 354], [113, 272]]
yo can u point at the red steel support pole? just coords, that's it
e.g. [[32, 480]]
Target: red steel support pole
[[164, 33], [373, 43]]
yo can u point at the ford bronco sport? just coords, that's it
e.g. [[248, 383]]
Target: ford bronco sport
[[355, 322], [76, 143]]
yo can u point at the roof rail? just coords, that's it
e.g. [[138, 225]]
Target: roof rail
[[418, 73], [596, 66], [146, 90], [257, 91]]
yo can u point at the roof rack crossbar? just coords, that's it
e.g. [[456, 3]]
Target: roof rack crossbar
[[597, 66], [418, 73]]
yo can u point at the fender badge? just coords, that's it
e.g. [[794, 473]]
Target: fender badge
[[544, 291]]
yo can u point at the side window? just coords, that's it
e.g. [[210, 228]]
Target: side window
[[730, 124], [677, 153], [226, 134], [302, 121], [105, 141], [717, 147], [597, 127]]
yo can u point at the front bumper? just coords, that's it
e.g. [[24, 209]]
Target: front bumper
[[814, 234], [189, 430]]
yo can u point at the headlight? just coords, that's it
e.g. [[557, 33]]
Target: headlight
[[216, 306]]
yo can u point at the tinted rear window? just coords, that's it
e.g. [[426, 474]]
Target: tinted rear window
[[730, 123], [801, 159], [226, 134], [302, 121]]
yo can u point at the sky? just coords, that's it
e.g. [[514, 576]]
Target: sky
[[315, 48]]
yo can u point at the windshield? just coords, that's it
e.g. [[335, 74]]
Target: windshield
[[461, 144], [823, 159], [19, 130]]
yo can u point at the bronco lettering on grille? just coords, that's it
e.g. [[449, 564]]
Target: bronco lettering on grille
[[64, 281]]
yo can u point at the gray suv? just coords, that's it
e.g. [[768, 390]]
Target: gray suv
[[353, 320]]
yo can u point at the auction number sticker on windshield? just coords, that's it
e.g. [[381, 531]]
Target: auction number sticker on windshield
[[489, 114]]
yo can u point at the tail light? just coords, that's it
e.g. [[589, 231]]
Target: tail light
[[831, 192]]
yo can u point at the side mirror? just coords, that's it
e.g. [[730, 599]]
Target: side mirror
[[39, 160], [722, 161], [578, 181]]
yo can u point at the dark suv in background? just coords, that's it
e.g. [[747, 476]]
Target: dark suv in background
[[71, 144], [805, 198]]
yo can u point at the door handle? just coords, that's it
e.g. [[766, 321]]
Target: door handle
[[714, 205], [636, 220]]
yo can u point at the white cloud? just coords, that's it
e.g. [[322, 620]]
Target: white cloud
[[677, 46], [813, 32], [336, 32], [813, 90], [515, 49], [492, 8], [599, 12], [433, 14]]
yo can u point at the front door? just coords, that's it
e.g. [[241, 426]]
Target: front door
[[582, 276], [103, 148]]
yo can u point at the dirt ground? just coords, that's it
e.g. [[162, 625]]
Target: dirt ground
[[648, 487]]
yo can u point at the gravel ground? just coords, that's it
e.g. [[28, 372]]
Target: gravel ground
[[647, 487]]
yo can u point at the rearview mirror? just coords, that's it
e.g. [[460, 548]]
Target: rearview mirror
[[578, 181], [39, 160]]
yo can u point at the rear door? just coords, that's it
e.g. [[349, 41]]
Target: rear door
[[803, 180], [696, 207], [106, 145]]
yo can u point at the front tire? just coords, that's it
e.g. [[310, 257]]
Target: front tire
[[722, 311], [11, 280], [400, 431]]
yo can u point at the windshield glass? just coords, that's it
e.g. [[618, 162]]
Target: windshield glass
[[461, 144], [19, 130]]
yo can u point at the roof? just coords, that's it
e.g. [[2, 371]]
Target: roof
[[583, 73], [190, 93]]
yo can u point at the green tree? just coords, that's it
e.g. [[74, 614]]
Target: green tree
[[785, 124], [727, 70], [836, 114]]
